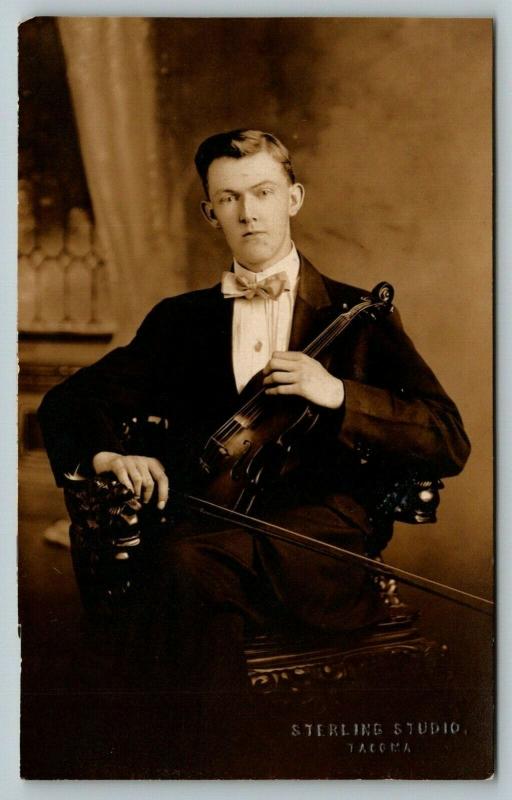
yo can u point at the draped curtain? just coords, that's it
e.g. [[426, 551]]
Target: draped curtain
[[139, 214]]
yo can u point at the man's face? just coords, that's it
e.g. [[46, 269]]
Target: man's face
[[252, 201]]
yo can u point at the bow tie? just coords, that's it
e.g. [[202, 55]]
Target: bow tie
[[242, 286]]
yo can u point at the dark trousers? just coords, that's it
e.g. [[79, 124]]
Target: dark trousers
[[207, 582]]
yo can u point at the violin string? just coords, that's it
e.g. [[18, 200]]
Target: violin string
[[251, 410]]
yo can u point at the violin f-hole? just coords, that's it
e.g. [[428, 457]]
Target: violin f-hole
[[301, 427], [239, 468]]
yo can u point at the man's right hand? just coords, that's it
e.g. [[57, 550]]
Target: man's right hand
[[137, 473]]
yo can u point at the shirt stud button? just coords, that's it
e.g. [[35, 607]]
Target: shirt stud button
[[258, 346]]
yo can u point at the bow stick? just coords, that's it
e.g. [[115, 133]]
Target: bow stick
[[256, 525]]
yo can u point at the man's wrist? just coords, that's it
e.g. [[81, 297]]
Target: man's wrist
[[338, 394], [101, 461]]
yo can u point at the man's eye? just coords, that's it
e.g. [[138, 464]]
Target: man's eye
[[227, 199], [265, 192]]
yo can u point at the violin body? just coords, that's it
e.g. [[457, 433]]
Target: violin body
[[237, 469]]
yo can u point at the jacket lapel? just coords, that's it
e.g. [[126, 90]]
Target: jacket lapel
[[311, 305], [218, 343]]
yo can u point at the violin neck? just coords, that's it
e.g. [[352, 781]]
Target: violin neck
[[334, 329]]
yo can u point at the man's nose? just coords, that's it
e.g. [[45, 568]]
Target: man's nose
[[247, 209]]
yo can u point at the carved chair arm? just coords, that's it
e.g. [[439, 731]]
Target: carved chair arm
[[102, 509], [105, 536], [408, 498]]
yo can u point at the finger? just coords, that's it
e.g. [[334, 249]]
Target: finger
[[280, 364], [148, 483], [281, 377], [281, 359], [288, 355], [159, 475], [121, 474], [284, 388], [134, 474]]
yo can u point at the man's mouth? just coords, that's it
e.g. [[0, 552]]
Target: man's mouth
[[253, 233]]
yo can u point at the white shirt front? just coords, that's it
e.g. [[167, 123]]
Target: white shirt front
[[262, 325]]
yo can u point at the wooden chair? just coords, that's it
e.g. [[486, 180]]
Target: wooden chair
[[109, 544]]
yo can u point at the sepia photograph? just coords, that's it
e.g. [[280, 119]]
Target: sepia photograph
[[255, 312]]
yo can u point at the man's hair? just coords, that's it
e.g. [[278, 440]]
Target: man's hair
[[237, 144]]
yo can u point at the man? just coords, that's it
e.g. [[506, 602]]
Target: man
[[191, 359]]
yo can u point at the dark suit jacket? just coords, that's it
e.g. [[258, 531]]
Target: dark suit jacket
[[178, 365]]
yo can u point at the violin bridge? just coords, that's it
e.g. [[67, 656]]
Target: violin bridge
[[242, 420]]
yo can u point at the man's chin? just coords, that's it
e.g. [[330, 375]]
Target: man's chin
[[254, 258]]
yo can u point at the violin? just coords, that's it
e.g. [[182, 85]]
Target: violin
[[256, 446]]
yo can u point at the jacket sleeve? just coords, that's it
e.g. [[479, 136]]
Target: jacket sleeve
[[401, 411], [78, 417]]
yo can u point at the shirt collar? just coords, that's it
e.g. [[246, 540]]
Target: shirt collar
[[289, 264]]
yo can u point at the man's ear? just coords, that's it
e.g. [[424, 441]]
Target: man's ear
[[209, 214], [297, 193]]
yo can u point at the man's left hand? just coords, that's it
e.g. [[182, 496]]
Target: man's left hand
[[298, 374]]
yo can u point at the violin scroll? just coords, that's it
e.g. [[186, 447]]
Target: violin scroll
[[380, 300], [383, 293]]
